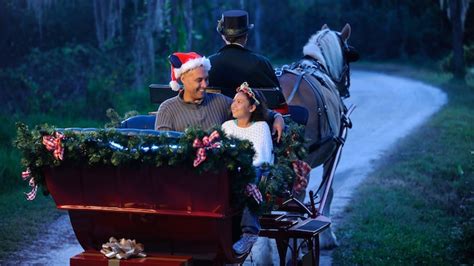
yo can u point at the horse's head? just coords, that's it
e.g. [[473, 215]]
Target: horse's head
[[330, 49]]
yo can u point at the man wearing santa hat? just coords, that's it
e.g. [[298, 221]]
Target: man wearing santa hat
[[193, 106]]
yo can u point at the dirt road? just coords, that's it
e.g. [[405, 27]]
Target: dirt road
[[388, 108]]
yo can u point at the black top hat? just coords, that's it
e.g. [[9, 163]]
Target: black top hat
[[234, 23]]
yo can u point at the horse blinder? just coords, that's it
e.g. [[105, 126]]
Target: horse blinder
[[351, 54]]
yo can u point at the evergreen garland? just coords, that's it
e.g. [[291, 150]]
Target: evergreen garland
[[109, 147], [277, 187]]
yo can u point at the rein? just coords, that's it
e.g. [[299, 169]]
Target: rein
[[344, 82]]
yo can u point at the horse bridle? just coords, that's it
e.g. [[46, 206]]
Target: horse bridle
[[344, 81]]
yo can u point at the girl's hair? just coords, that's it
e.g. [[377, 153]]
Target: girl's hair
[[255, 98], [261, 112]]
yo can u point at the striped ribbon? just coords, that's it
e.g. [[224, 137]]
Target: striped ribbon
[[302, 170], [26, 174], [53, 143], [252, 190], [32, 183], [207, 143]]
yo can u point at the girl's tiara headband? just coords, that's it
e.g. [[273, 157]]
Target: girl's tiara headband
[[247, 90]]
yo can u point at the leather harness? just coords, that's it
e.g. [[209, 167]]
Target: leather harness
[[302, 71]]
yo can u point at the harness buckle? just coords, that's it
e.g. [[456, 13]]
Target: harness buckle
[[278, 72], [346, 121]]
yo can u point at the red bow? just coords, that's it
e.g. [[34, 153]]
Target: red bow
[[26, 174], [53, 143], [32, 194], [302, 170], [207, 143]]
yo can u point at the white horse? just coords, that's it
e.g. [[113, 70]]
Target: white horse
[[319, 82]]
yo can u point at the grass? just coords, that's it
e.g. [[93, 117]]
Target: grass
[[23, 221], [10, 167], [417, 207]]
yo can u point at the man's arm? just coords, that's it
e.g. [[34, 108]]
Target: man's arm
[[163, 119], [277, 122], [267, 72], [271, 74], [228, 102]]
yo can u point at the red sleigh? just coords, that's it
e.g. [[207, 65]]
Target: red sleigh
[[178, 215], [170, 211]]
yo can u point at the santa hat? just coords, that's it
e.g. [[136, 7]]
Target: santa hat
[[183, 62]]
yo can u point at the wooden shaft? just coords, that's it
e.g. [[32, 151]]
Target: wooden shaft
[[333, 163]]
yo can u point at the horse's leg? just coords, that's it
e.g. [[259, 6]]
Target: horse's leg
[[327, 239], [262, 251]]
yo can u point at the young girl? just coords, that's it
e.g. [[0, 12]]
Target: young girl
[[250, 113]]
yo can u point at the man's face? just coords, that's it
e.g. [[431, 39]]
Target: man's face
[[195, 84]]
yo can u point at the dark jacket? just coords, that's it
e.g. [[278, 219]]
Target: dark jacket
[[233, 64]]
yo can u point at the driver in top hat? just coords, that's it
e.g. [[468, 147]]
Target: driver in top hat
[[234, 64]]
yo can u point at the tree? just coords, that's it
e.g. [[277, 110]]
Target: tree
[[456, 11]]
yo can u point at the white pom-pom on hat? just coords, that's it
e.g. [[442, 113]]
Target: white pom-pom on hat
[[175, 85]]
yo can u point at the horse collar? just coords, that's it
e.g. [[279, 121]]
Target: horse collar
[[314, 64]]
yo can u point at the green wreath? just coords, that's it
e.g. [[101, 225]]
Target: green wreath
[[111, 147]]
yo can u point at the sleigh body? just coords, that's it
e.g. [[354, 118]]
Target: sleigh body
[[169, 210]]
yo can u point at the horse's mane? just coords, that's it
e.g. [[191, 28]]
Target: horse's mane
[[324, 46]]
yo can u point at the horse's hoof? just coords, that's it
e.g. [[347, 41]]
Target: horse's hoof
[[328, 240], [260, 253]]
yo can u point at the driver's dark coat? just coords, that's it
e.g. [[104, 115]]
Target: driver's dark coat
[[233, 64]]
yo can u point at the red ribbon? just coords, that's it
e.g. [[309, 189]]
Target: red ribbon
[[25, 175], [302, 170], [207, 143], [53, 143]]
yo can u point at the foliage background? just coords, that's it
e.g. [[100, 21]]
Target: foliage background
[[87, 56]]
